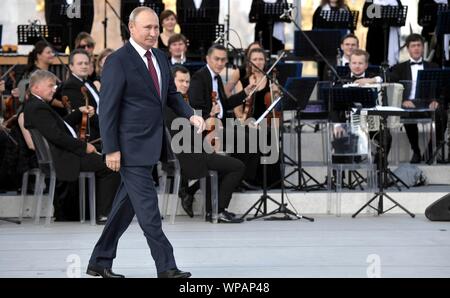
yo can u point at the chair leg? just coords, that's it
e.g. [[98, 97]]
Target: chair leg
[[51, 195], [176, 199], [23, 194], [40, 181], [92, 200], [82, 198], [214, 180], [204, 195]]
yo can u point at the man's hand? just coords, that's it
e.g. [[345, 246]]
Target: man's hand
[[198, 122], [113, 161], [365, 81], [408, 104], [90, 110], [434, 105], [249, 88], [339, 131], [90, 149], [214, 110]]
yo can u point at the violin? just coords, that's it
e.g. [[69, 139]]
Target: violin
[[268, 100], [186, 98], [66, 104], [84, 127], [211, 136], [11, 103]]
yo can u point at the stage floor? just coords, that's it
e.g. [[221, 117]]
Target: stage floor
[[393, 245]]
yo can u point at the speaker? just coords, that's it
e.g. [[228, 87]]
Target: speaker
[[439, 210]]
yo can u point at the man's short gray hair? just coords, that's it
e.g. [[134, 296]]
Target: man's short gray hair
[[41, 75], [138, 10]]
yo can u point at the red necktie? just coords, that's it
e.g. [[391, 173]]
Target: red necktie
[[152, 71]]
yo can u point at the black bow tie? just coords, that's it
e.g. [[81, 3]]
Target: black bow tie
[[416, 63]]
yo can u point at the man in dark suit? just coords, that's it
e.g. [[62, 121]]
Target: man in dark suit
[[70, 155], [407, 71], [196, 165], [203, 11], [136, 86], [79, 61], [177, 46]]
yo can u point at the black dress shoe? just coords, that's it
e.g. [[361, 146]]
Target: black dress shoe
[[416, 158], [103, 272], [249, 186], [101, 220], [186, 203], [174, 273], [230, 214]]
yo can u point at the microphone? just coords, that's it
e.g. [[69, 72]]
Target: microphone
[[287, 13]]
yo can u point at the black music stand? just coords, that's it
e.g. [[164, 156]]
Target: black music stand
[[383, 172], [327, 40], [201, 36], [271, 13], [338, 19], [301, 89], [442, 28], [31, 34], [430, 14], [434, 82], [389, 16]]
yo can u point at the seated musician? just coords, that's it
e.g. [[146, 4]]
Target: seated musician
[[407, 71], [70, 155], [207, 80], [349, 43], [177, 46], [79, 64], [359, 62], [197, 165], [84, 41]]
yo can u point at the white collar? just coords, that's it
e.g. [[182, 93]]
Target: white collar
[[37, 96], [418, 61], [141, 51], [213, 74], [82, 80], [363, 75]]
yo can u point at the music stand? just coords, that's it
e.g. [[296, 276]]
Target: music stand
[[288, 69], [301, 89], [443, 28], [201, 36], [271, 13], [383, 172], [430, 14], [30, 36], [389, 16], [327, 40], [340, 19], [430, 81]]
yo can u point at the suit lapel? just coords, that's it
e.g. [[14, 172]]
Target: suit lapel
[[141, 68], [408, 71]]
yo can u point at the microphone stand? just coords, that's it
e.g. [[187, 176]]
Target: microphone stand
[[105, 23], [282, 207]]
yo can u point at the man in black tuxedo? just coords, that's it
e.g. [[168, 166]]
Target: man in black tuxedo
[[79, 61], [196, 165], [203, 11], [177, 46], [70, 155], [407, 71], [207, 80]]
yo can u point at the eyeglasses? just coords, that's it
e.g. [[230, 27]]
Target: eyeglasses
[[83, 46]]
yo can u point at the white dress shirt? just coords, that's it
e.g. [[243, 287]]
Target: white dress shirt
[[414, 71], [197, 3], [215, 86], [91, 90], [141, 51]]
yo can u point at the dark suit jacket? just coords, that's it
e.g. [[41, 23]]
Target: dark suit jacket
[[72, 89], [66, 150], [402, 72], [131, 111], [200, 94]]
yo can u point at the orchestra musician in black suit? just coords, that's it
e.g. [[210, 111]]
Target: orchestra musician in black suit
[[408, 71]]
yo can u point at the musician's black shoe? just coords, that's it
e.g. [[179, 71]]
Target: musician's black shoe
[[174, 273], [416, 158], [186, 203], [247, 185]]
